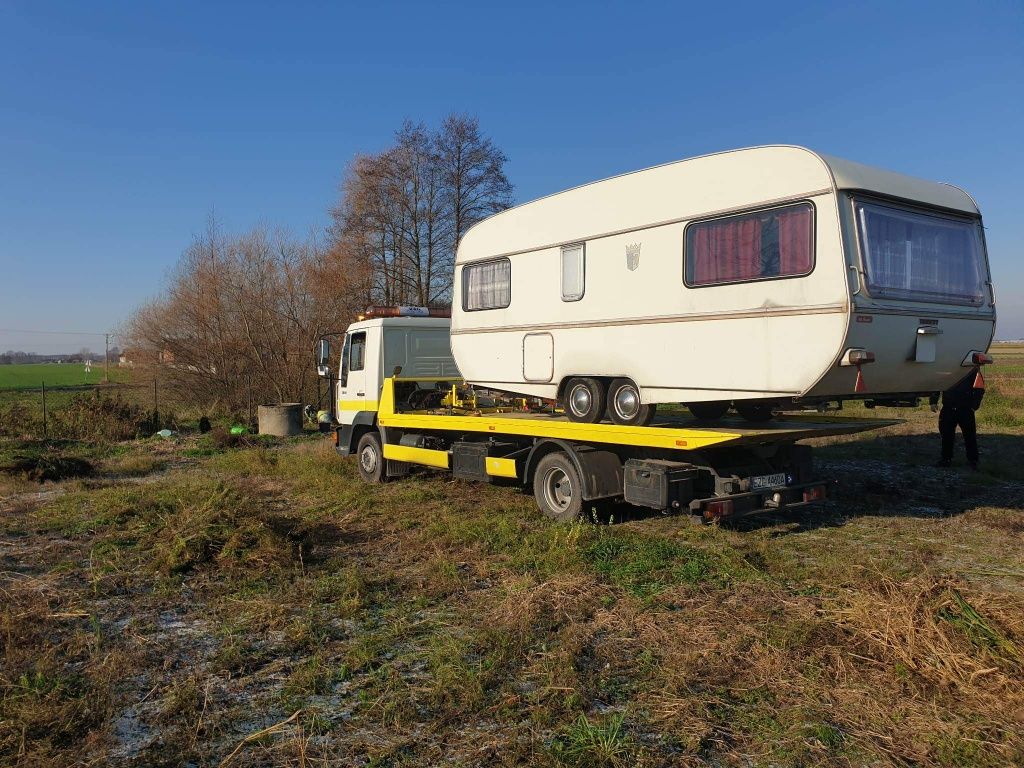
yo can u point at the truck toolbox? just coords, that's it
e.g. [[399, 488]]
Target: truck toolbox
[[658, 483], [469, 459]]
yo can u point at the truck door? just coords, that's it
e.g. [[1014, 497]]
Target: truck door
[[353, 394]]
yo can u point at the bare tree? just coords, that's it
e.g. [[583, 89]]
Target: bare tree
[[403, 211], [240, 314], [472, 168]]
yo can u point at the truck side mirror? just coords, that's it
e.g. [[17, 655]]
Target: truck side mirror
[[323, 355]]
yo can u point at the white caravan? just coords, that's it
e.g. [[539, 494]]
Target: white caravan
[[760, 277]]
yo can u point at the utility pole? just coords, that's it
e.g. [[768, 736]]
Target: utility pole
[[106, 358]]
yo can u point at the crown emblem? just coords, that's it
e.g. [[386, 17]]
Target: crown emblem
[[632, 256]]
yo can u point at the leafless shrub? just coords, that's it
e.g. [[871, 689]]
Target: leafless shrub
[[240, 314], [239, 320]]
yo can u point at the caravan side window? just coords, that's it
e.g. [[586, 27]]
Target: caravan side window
[[487, 285], [573, 271], [759, 245]]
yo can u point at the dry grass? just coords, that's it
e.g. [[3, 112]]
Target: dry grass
[[198, 602]]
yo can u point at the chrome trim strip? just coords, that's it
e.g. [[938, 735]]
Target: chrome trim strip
[[643, 386], [823, 309], [729, 389], [924, 312]]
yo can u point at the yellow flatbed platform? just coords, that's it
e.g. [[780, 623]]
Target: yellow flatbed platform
[[671, 432]]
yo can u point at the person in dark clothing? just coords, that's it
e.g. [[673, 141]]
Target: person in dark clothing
[[959, 403]]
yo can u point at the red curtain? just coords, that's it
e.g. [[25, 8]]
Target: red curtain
[[795, 233], [727, 251], [744, 247]]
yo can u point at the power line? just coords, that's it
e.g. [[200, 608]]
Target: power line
[[57, 333]]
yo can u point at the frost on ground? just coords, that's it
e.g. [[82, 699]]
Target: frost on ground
[[189, 605]]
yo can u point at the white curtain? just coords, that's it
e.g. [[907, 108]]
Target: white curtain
[[488, 285], [916, 256], [572, 272]]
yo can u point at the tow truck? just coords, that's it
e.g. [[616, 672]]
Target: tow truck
[[398, 403]]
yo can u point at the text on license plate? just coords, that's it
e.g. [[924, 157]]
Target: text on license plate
[[767, 481]]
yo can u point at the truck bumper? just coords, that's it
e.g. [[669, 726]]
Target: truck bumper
[[738, 505]]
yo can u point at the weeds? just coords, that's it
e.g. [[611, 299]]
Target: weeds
[[586, 744], [961, 614], [100, 417], [647, 566]]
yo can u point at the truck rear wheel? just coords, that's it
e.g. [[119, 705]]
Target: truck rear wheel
[[709, 411], [370, 458], [584, 400], [557, 488], [624, 406]]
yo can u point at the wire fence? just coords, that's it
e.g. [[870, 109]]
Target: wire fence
[[104, 410]]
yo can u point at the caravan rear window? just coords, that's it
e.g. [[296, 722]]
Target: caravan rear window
[[919, 256], [759, 245], [487, 285]]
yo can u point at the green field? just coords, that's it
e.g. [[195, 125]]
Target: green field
[[54, 375]]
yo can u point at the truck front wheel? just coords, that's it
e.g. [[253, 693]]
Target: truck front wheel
[[370, 458], [557, 488]]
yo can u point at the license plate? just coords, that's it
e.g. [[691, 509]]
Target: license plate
[[768, 481]]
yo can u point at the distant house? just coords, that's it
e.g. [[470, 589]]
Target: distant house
[[133, 356]]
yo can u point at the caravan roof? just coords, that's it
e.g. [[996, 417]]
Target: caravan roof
[[687, 189]]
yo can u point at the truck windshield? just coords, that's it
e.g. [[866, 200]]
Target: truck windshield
[[920, 256]]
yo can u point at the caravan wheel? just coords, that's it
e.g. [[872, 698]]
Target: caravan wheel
[[624, 404], [752, 410], [584, 400], [709, 411]]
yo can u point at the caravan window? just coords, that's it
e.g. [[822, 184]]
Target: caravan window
[[919, 256], [487, 285], [759, 245], [573, 268]]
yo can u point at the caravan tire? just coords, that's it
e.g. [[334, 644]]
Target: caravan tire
[[584, 400], [709, 411], [752, 410], [624, 406], [370, 458]]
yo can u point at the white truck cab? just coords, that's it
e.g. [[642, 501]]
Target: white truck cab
[[415, 339]]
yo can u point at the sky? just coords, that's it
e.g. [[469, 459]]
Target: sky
[[123, 126]]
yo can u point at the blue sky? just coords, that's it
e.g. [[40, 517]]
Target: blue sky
[[123, 125]]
